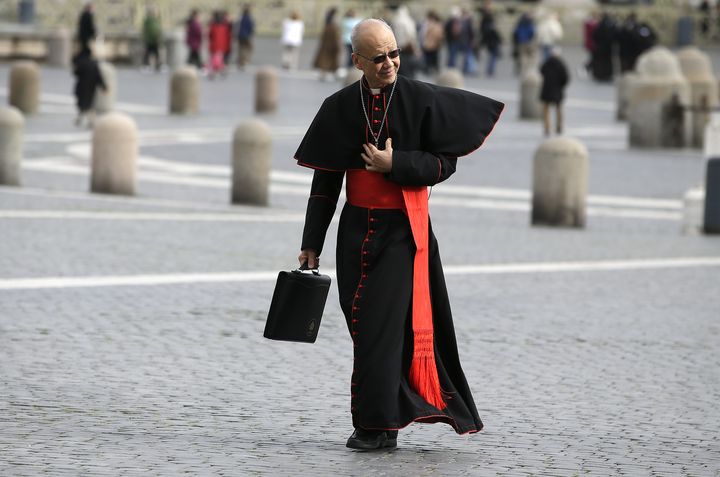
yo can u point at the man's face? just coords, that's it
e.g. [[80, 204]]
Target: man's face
[[375, 40]]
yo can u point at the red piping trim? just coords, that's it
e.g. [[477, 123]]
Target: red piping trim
[[312, 166]]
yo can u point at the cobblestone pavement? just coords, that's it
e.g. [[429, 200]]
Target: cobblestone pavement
[[131, 328]]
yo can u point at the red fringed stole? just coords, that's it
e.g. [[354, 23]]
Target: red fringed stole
[[423, 370]]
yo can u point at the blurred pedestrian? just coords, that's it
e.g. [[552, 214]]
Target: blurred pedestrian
[[87, 79], [328, 52], [227, 23], [460, 36], [644, 38], [549, 32], [86, 32], [245, 32], [431, 39], [604, 38], [405, 30], [589, 26], [626, 42], [555, 77], [348, 23], [490, 38], [523, 44], [219, 38], [293, 30], [152, 36], [193, 38]]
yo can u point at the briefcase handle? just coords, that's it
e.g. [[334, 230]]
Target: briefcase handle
[[304, 268]]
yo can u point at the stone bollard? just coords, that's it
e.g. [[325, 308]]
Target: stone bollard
[[711, 217], [11, 131], [697, 69], [353, 75], [624, 87], [560, 175], [711, 139], [175, 49], [251, 163], [58, 48], [266, 90], [24, 91], [184, 91], [530, 85], [105, 99], [656, 113], [450, 77], [114, 155], [693, 206]]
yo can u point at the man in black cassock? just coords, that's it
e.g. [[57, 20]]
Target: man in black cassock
[[391, 137]]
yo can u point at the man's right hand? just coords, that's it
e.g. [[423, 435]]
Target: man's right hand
[[310, 256]]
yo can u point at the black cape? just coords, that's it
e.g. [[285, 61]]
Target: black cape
[[422, 117], [430, 126]]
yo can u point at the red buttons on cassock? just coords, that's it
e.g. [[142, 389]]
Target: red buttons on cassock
[[376, 108], [377, 96]]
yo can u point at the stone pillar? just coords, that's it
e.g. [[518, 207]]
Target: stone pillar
[[530, 85], [266, 90], [624, 92], [175, 49], [24, 91], [711, 146], [693, 206], [353, 75], [450, 77], [105, 99], [656, 114], [11, 131], [251, 163], [697, 69], [184, 91], [560, 175], [114, 155], [59, 46], [711, 216]]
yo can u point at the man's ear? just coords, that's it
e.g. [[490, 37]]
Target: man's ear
[[356, 61]]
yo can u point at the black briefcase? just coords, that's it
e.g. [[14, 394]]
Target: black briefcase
[[297, 306]]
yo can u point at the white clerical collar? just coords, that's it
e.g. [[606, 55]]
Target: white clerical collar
[[375, 90]]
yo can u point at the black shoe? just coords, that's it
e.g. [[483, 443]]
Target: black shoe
[[370, 440]]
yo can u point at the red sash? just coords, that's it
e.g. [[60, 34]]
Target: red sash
[[371, 190]]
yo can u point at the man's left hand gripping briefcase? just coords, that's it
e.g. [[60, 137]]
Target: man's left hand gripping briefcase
[[297, 306]]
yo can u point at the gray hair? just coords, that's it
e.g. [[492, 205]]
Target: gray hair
[[361, 24]]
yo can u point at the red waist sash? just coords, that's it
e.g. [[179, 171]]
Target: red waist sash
[[372, 191]]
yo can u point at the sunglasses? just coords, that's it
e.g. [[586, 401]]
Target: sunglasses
[[381, 58]]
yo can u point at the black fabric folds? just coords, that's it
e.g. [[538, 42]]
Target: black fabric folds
[[421, 117]]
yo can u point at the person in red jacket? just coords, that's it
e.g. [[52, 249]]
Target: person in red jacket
[[218, 43]]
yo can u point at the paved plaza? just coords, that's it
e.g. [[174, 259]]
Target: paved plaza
[[131, 327]]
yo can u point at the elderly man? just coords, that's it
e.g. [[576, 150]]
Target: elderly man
[[392, 137]]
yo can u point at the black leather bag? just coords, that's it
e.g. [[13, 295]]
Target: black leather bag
[[297, 306]]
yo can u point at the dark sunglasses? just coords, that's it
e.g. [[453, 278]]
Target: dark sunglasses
[[381, 58]]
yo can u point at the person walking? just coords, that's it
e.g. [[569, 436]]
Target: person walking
[[88, 79], [524, 44], [348, 23], [555, 78], [218, 40], [327, 56], [245, 32], [431, 36], [489, 37], [293, 30], [390, 137], [604, 37], [549, 32], [193, 39], [86, 31], [152, 36]]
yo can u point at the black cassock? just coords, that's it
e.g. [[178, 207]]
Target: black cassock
[[430, 127]]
